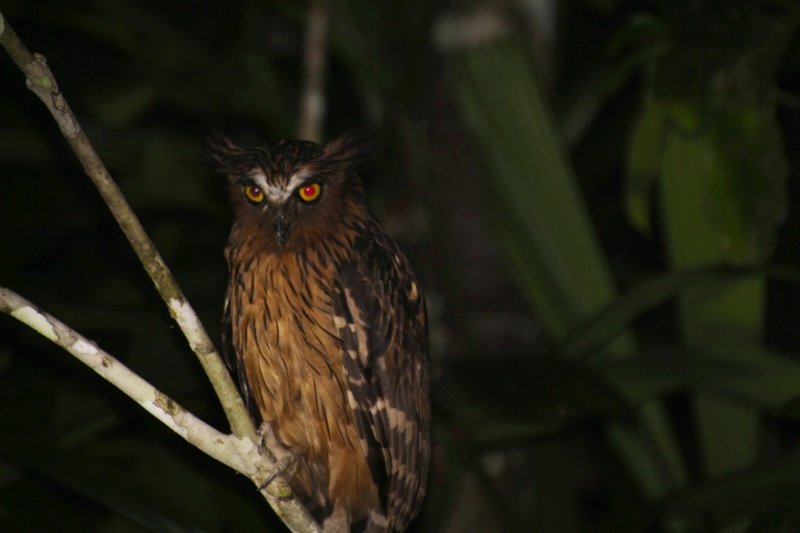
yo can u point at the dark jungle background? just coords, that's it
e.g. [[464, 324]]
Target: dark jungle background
[[600, 197]]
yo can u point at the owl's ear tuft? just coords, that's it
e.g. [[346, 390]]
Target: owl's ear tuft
[[223, 155], [347, 150]]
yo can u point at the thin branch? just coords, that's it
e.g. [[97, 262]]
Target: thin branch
[[41, 81], [224, 448], [240, 454], [312, 101]]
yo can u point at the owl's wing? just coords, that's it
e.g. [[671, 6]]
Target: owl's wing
[[381, 318], [234, 362]]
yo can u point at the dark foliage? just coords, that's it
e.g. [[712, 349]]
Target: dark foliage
[[602, 217]]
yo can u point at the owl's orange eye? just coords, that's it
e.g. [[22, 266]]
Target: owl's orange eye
[[254, 193], [309, 192]]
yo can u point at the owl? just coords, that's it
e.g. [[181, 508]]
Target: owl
[[328, 330]]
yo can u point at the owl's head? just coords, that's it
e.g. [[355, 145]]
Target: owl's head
[[288, 195]]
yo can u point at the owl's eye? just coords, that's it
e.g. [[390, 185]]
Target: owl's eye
[[253, 193], [309, 192]]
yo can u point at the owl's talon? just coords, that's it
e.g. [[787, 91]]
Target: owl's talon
[[284, 459], [278, 469]]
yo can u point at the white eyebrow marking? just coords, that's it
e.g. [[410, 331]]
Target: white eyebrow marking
[[296, 179], [260, 179], [277, 194]]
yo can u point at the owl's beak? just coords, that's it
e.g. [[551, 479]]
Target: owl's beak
[[281, 227]]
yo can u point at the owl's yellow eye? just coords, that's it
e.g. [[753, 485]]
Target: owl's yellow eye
[[254, 193], [309, 192]]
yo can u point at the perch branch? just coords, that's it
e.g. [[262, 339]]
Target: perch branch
[[312, 101], [42, 83], [240, 454]]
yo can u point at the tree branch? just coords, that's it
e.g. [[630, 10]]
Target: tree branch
[[237, 450], [41, 81], [240, 454], [312, 101], [227, 449]]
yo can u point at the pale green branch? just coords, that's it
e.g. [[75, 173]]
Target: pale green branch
[[240, 454], [42, 83]]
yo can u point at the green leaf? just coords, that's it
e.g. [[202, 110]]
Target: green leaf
[[734, 497], [644, 165], [749, 374], [535, 186], [722, 197], [645, 296], [545, 228]]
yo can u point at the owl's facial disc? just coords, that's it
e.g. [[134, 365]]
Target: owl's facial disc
[[274, 196]]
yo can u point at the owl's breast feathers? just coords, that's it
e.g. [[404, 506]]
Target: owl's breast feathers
[[331, 349]]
